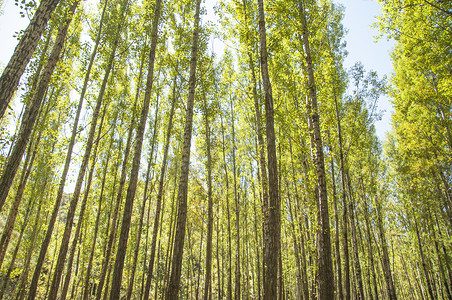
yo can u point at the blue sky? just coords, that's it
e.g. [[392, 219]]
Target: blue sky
[[361, 45]]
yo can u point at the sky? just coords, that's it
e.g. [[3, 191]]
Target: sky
[[361, 44]]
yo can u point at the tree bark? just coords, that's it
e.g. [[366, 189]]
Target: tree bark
[[176, 267], [385, 258], [359, 279], [24, 50], [237, 288], [272, 239], [326, 275], [336, 241], [208, 275], [228, 215], [146, 185]]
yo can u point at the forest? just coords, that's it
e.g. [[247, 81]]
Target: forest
[[138, 161]]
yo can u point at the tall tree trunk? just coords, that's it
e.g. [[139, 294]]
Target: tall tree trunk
[[127, 213], [75, 197], [273, 214], [228, 215], [371, 255], [326, 275], [299, 294], [256, 239], [137, 94], [173, 215], [385, 257], [260, 139], [347, 290], [237, 288], [22, 53], [336, 241], [160, 193], [32, 109], [149, 178], [359, 279], [176, 267], [304, 276], [208, 275]]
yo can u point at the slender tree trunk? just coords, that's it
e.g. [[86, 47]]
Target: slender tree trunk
[[336, 241], [299, 294], [256, 239], [172, 226], [260, 139], [347, 291], [22, 53], [237, 288], [359, 279], [228, 215], [326, 275], [160, 194], [176, 267], [272, 239], [112, 234], [304, 276], [385, 258], [371, 255], [137, 94], [127, 213], [208, 275]]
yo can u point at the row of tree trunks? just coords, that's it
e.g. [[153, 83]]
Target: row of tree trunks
[[27, 124]]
